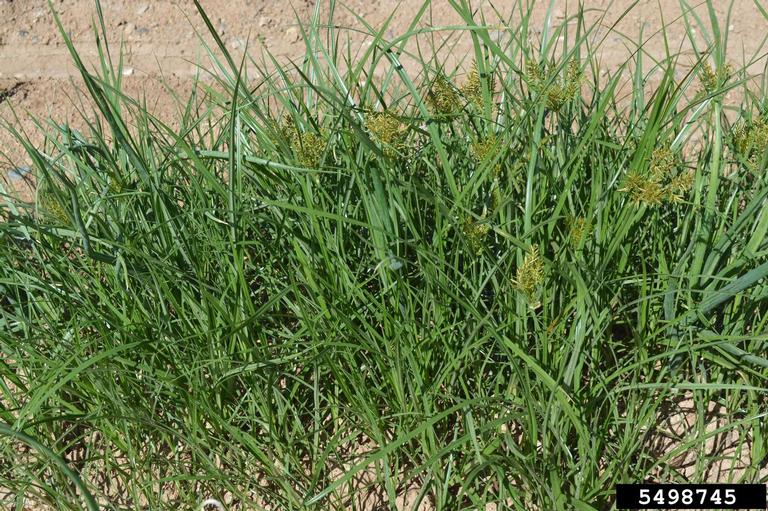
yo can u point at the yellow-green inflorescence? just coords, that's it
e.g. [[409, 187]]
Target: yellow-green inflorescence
[[485, 150], [388, 130], [308, 146], [750, 141], [578, 227], [557, 92], [476, 233], [661, 183], [712, 79], [472, 89], [443, 98], [530, 275], [50, 207]]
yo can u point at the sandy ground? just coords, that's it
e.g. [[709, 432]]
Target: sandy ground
[[160, 38]]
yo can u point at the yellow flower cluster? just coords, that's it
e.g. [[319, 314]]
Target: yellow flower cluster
[[750, 141], [51, 208], [476, 233], [390, 131], [643, 189], [662, 162], [577, 228], [443, 98], [530, 275], [309, 147], [661, 183], [473, 86], [711, 79], [486, 149], [558, 92]]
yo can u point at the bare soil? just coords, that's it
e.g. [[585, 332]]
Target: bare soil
[[161, 45]]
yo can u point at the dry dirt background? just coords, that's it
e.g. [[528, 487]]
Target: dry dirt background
[[37, 79]]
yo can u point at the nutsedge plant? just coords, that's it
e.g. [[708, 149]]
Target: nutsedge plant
[[376, 276]]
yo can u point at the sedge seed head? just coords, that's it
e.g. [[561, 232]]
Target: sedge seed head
[[390, 131], [476, 233], [708, 77], [496, 197], [51, 208], [679, 185], [577, 228], [711, 79], [662, 163], [643, 189], [573, 79], [556, 92], [286, 127], [557, 97], [749, 140], [443, 98], [473, 86], [486, 149], [530, 275], [534, 72], [741, 138], [309, 149]]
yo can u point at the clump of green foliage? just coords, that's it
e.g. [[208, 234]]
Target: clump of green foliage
[[490, 295]]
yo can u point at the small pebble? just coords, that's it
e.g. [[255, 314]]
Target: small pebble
[[18, 173], [292, 34], [128, 71]]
